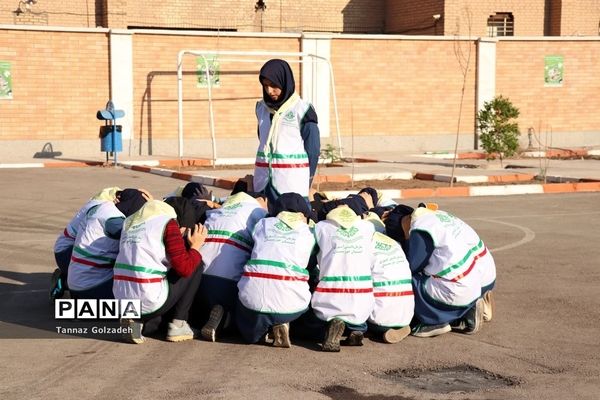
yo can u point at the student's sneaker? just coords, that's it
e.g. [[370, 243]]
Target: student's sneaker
[[425, 331], [472, 322], [355, 338], [209, 330], [57, 289], [179, 330], [132, 331], [281, 334], [333, 335], [396, 335], [488, 305]]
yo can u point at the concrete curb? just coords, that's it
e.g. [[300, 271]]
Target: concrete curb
[[151, 166]]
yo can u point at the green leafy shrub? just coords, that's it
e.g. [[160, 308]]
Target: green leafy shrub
[[499, 130]]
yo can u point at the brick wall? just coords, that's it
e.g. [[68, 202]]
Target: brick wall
[[414, 18], [580, 17], [401, 87], [572, 108], [529, 16], [60, 80], [155, 83]]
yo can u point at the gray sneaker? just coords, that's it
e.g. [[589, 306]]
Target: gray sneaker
[[396, 335], [355, 338], [472, 322], [281, 334], [180, 332], [333, 335], [132, 331], [209, 330], [425, 331]]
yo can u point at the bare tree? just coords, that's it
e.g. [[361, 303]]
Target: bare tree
[[464, 61]]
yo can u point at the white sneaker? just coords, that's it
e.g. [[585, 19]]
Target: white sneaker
[[488, 305], [179, 331], [281, 333]]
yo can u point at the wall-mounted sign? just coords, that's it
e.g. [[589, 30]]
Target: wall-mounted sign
[[553, 71], [214, 71], [5, 81]]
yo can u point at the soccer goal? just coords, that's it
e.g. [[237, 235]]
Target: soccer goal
[[242, 56]]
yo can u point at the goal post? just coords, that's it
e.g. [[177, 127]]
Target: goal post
[[241, 56]]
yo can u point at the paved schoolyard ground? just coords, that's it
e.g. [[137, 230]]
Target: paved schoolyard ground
[[542, 343]]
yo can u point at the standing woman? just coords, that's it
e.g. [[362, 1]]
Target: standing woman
[[288, 133]]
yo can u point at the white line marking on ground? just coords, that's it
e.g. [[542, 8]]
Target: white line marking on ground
[[529, 235]]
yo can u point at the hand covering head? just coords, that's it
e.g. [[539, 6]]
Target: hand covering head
[[373, 193], [280, 73], [195, 190], [393, 223], [187, 213], [129, 201], [291, 202]]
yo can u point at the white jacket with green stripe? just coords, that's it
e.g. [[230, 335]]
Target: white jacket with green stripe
[[346, 259], [460, 264], [229, 241], [281, 157], [392, 284], [94, 253], [275, 279], [142, 265]]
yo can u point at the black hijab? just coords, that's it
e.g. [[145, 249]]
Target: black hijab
[[130, 201], [280, 73], [187, 214], [292, 202], [195, 190], [393, 223]]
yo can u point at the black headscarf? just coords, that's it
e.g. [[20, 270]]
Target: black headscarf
[[195, 190], [292, 202], [354, 201], [187, 214], [130, 200], [280, 73], [393, 223]]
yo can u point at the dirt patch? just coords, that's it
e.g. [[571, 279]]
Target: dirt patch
[[405, 184], [457, 379]]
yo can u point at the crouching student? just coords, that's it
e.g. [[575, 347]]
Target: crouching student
[[97, 245], [449, 263], [273, 290], [224, 254], [63, 247], [343, 297], [392, 289], [155, 266]]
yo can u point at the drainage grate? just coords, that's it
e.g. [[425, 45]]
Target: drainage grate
[[461, 378]]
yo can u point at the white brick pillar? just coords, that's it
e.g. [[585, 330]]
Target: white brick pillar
[[121, 78]]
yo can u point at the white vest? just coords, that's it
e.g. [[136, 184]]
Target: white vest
[[392, 284], [281, 157], [142, 264], [229, 242], [345, 288], [94, 253], [458, 261], [275, 279], [67, 238]]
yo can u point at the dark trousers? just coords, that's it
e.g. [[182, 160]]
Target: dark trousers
[[101, 291], [179, 301], [63, 258]]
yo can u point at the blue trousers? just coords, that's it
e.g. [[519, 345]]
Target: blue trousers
[[253, 325]]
